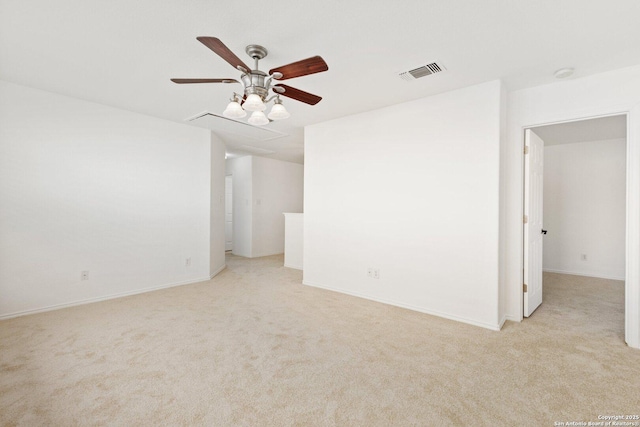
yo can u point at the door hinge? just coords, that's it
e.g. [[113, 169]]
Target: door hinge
[[524, 287], [526, 149], [525, 219]]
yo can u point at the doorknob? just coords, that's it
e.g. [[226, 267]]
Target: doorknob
[[543, 231]]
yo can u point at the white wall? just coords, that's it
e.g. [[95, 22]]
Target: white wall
[[504, 208], [293, 240], [603, 94], [277, 188], [217, 201], [240, 169], [263, 189], [413, 191], [89, 187], [584, 208]]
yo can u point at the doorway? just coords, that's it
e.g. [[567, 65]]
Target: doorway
[[228, 213], [581, 200]]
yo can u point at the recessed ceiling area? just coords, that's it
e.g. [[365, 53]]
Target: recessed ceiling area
[[597, 129], [228, 128], [123, 54]]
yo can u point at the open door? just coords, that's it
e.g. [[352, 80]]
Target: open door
[[533, 232]]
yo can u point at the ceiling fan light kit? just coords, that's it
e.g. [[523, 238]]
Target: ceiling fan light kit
[[254, 103], [234, 110], [258, 83], [278, 112], [258, 118]]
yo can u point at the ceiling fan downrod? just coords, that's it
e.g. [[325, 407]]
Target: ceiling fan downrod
[[254, 80]]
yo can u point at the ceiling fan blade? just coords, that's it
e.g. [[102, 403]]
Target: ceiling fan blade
[[297, 94], [182, 81], [223, 51], [301, 68]]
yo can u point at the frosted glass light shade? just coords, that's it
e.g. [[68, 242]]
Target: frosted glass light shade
[[278, 112], [234, 111], [258, 118], [254, 103]]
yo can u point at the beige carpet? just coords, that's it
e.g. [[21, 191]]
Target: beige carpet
[[254, 347]]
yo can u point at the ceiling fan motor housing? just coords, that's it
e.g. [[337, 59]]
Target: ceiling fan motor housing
[[254, 82]]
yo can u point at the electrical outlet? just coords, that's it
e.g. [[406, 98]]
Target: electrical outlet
[[583, 257], [374, 273], [84, 275], [187, 262]]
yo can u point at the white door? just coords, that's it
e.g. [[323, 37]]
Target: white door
[[228, 213], [533, 181]]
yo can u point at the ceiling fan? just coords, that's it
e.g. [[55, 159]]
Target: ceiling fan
[[258, 83]]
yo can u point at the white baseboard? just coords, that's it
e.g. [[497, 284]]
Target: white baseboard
[[98, 299], [215, 273], [492, 327], [576, 273], [265, 254], [257, 255], [297, 267], [501, 324], [510, 318]]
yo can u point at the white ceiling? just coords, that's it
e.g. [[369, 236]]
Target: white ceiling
[[599, 129], [123, 53]]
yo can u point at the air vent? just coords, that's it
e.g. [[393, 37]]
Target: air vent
[[425, 70]]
